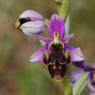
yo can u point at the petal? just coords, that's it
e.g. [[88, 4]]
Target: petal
[[38, 55], [43, 40], [31, 14], [46, 40], [32, 27], [74, 76], [90, 85], [56, 24], [66, 38]]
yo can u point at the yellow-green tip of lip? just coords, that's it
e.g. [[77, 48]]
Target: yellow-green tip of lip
[[57, 81], [17, 24]]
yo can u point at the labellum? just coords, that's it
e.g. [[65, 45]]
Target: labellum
[[56, 61]]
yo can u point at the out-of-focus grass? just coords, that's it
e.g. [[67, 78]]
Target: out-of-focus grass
[[17, 75]]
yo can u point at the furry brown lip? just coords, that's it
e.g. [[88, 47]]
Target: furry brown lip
[[57, 72]]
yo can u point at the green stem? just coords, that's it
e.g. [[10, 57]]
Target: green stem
[[63, 11], [58, 87], [46, 22], [63, 86], [63, 8]]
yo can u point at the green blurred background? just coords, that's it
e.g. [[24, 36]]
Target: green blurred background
[[17, 75]]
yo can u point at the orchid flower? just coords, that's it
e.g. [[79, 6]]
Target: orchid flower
[[56, 54], [91, 79]]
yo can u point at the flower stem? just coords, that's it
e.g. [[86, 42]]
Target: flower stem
[[63, 86], [63, 8], [46, 22], [63, 11]]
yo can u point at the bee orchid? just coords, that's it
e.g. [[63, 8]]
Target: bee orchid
[[56, 54]]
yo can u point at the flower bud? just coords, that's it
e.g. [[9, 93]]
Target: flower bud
[[30, 22]]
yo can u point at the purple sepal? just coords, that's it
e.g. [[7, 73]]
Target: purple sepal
[[76, 54], [38, 55], [56, 24], [74, 76], [91, 84], [77, 58]]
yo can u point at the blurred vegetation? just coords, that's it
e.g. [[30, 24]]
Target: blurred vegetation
[[17, 75]]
